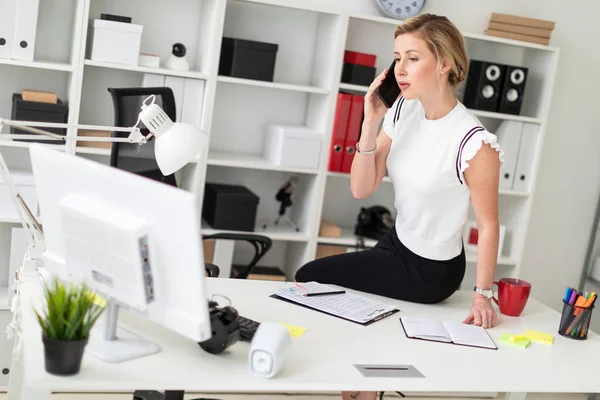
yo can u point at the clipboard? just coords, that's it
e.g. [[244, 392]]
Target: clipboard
[[369, 322]]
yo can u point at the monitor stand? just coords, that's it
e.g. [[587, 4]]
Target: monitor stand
[[113, 344]]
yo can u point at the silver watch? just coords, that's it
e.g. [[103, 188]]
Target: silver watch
[[488, 293]]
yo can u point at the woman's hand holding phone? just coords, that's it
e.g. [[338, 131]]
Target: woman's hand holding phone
[[374, 108]]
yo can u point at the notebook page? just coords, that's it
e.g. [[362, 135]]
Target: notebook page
[[347, 305], [469, 334], [425, 328]]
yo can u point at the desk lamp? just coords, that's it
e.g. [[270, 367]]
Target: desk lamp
[[176, 144]]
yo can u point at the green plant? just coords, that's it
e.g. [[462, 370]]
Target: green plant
[[71, 311]]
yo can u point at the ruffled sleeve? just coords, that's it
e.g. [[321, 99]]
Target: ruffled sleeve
[[471, 144], [392, 116]]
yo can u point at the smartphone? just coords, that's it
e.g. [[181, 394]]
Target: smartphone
[[389, 90]]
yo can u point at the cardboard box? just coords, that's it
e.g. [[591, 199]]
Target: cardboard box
[[325, 250], [517, 36], [92, 133], [524, 21], [208, 248], [39, 95], [523, 30], [329, 229]]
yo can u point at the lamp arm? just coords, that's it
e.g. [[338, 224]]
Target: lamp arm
[[35, 236], [135, 135], [26, 217]]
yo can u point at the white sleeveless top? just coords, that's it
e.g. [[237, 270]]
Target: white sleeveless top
[[426, 162]]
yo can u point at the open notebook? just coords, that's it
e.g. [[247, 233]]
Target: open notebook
[[349, 306], [446, 331]]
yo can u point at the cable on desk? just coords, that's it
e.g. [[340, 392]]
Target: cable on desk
[[219, 295]]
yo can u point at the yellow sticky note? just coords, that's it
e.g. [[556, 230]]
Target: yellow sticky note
[[295, 331], [514, 340], [539, 337]]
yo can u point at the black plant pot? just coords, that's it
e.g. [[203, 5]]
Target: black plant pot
[[63, 357]]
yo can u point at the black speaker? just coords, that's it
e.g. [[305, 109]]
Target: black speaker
[[513, 88], [484, 83]]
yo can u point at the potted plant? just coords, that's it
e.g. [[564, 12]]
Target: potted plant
[[71, 311]]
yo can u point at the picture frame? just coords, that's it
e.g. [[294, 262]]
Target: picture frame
[[471, 237]]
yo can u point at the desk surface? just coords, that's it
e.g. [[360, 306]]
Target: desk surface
[[323, 358]]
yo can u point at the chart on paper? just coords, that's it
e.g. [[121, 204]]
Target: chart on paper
[[347, 305]]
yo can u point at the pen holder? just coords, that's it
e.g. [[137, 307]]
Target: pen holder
[[575, 321]]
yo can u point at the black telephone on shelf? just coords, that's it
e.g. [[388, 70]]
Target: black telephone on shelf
[[374, 222]]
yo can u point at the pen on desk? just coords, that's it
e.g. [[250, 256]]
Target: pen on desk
[[324, 293]]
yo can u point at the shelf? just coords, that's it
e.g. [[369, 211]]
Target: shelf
[[519, 43], [25, 145], [272, 85], [93, 150], [106, 152], [5, 219], [347, 176], [346, 239], [508, 117], [380, 20], [237, 160], [353, 88], [148, 70], [387, 179], [48, 65], [503, 192], [281, 232], [478, 113]]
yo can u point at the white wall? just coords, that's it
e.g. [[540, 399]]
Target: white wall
[[569, 178]]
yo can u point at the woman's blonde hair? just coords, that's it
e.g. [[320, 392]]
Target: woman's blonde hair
[[443, 39]]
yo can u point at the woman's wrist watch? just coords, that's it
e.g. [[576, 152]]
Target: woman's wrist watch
[[487, 293]]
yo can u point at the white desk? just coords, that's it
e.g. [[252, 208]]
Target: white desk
[[323, 358]]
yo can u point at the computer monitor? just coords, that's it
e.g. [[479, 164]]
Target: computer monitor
[[135, 240]]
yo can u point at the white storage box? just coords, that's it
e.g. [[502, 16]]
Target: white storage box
[[117, 42], [26, 187], [293, 146], [149, 60]]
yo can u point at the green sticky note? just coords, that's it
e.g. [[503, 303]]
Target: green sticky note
[[514, 340]]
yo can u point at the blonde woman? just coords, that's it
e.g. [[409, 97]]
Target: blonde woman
[[440, 159]]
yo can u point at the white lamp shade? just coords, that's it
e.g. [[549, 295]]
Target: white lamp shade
[[176, 144], [179, 145]]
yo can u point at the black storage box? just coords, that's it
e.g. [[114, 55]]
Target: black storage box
[[247, 59], [230, 207], [358, 74], [23, 110]]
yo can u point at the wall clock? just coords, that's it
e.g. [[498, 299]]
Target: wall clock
[[400, 9]]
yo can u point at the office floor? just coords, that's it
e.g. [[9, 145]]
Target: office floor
[[537, 396]]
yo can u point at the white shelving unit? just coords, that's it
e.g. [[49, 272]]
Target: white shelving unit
[[235, 112]]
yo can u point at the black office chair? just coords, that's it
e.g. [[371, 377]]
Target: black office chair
[[132, 157], [261, 244]]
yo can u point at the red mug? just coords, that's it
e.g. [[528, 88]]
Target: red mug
[[512, 296]]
